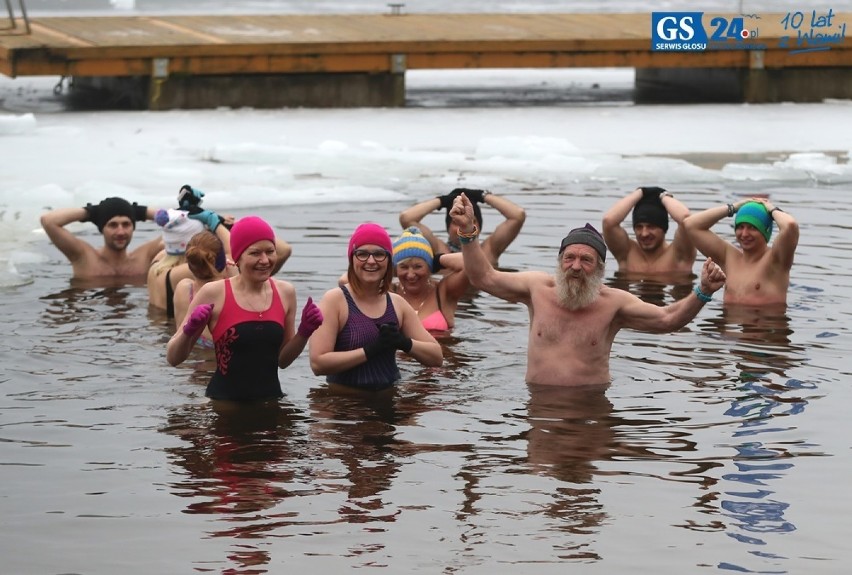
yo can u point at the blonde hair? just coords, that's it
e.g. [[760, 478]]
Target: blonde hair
[[201, 253], [167, 262]]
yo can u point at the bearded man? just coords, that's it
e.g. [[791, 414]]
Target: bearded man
[[574, 317]]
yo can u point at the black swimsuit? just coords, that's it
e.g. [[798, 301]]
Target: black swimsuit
[[170, 296]]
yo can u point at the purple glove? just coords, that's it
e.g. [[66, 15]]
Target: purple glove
[[198, 319], [311, 319], [161, 217]]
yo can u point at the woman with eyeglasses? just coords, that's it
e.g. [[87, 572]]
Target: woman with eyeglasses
[[365, 324]]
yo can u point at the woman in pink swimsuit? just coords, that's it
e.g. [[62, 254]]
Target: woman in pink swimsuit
[[251, 317]]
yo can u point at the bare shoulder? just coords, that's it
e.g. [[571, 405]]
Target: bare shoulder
[[537, 278], [333, 296], [617, 296], [285, 287], [183, 284], [212, 290]]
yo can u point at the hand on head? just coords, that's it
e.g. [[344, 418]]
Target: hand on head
[[189, 197], [311, 319], [651, 192], [198, 319], [206, 217], [476, 196]]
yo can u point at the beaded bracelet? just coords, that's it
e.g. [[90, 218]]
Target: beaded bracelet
[[468, 238], [701, 295]]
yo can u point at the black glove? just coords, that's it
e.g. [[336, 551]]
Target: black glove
[[389, 339], [96, 214], [475, 196], [383, 344], [92, 214], [436, 263], [396, 337], [651, 192], [140, 213], [448, 199]]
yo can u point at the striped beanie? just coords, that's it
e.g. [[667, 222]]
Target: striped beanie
[[412, 244]]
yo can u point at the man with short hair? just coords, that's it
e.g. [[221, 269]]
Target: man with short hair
[[649, 254], [574, 318], [116, 219], [759, 273]]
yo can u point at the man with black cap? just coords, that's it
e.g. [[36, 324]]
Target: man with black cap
[[649, 254], [496, 242], [574, 317], [116, 219]]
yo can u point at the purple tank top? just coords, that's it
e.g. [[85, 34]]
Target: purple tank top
[[378, 373]]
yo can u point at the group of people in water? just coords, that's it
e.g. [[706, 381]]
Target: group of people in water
[[215, 276]]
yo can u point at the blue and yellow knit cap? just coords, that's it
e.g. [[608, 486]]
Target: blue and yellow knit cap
[[755, 214], [412, 244]]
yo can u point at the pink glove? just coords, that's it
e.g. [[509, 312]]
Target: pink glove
[[311, 319], [198, 319]]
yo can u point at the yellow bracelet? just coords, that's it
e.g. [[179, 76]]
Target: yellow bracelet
[[468, 238]]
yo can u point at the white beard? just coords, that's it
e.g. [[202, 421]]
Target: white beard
[[577, 293]]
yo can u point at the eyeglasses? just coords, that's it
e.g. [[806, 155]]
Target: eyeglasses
[[363, 255]]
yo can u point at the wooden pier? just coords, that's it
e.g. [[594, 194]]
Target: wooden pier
[[361, 60]]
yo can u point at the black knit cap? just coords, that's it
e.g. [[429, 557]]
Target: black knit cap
[[651, 211], [587, 235], [112, 207]]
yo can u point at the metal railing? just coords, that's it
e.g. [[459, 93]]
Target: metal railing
[[12, 21]]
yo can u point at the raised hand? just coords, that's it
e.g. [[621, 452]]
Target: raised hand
[[447, 199], [311, 319], [712, 277], [189, 197], [206, 217], [477, 196], [651, 192], [198, 319], [462, 213]]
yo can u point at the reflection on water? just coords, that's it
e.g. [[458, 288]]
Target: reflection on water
[[660, 289], [764, 401], [703, 452], [235, 463]]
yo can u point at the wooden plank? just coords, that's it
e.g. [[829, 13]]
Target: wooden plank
[[276, 43]]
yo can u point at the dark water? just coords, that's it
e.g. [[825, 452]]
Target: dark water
[[724, 446]]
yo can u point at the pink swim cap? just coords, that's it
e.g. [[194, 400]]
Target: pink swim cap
[[247, 231], [369, 233]]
